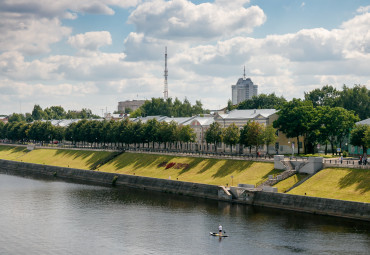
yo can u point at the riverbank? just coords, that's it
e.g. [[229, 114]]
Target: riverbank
[[331, 207], [332, 183]]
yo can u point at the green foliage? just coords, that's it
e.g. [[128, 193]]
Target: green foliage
[[262, 101], [295, 119], [334, 123], [231, 135], [214, 134], [159, 106], [16, 117], [38, 113], [269, 135], [356, 99], [360, 136], [326, 96], [252, 134]]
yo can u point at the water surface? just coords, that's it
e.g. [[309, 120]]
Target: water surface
[[53, 217]]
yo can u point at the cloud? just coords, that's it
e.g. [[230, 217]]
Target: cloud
[[31, 26], [62, 8], [363, 9], [183, 20], [90, 40], [28, 35]]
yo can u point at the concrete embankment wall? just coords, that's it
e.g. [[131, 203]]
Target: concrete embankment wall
[[347, 209], [315, 205], [102, 178]]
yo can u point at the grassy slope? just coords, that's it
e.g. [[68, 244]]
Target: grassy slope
[[65, 158], [11, 152], [337, 183], [289, 182], [209, 171]]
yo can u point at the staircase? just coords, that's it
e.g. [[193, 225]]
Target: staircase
[[289, 171]]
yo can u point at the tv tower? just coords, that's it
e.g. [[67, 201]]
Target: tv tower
[[165, 92]]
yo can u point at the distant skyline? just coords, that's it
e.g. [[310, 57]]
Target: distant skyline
[[93, 54]]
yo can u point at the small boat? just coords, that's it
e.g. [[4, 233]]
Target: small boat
[[217, 234]]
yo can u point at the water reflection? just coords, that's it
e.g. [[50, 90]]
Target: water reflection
[[49, 217]]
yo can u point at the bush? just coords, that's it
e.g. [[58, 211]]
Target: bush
[[345, 154]]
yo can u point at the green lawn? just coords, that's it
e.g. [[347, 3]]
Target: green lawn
[[337, 183], [200, 170], [286, 184], [64, 158], [12, 152]]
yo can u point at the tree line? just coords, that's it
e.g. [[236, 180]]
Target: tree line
[[176, 108], [356, 99], [51, 113], [126, 132]]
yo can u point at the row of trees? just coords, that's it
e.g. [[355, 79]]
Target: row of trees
[[317, 125], [356, 99], [94, 132], [51, 113], [159, 106], [127, 132], [253, 134]]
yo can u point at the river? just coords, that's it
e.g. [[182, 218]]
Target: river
[[54, 217]]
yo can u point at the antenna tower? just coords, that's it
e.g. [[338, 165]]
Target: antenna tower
[[165, 92]]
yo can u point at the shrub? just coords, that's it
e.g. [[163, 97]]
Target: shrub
[[169, 165]]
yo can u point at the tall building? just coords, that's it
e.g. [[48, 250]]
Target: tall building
[[132, 104], [244, 89]]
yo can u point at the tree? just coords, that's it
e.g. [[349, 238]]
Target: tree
[[358, 136], [295, 118], [356, 99], [214, 134], [38, 113], [16, 117], [186, 134], [326, 96], [2, 133], [230, 105], [336, 123], [367, 137], [269, 136], [231, 136], [55, 112], [151, 128], [252, 134], [262, 101]]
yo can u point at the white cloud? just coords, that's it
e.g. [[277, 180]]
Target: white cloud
[[182, 20], [30, 36], [363, 9], [90, 40]]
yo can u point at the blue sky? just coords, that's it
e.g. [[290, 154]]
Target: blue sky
[[86, 54]]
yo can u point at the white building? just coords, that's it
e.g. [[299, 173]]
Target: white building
[[244, 89]]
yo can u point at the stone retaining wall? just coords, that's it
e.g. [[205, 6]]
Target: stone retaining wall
[[102, 178], [316, 205], [347, 209]]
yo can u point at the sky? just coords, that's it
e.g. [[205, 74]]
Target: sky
[[92, 54]]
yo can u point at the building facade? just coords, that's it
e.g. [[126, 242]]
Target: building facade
[[244, 89], [132, 104]]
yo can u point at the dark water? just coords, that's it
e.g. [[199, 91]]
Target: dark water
[[50, 217]]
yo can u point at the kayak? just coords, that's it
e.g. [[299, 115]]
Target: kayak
[[217, 234]]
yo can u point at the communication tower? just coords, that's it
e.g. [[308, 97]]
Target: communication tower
[[165, 92]]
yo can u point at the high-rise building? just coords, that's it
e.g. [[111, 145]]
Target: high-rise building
[[244, 89]]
